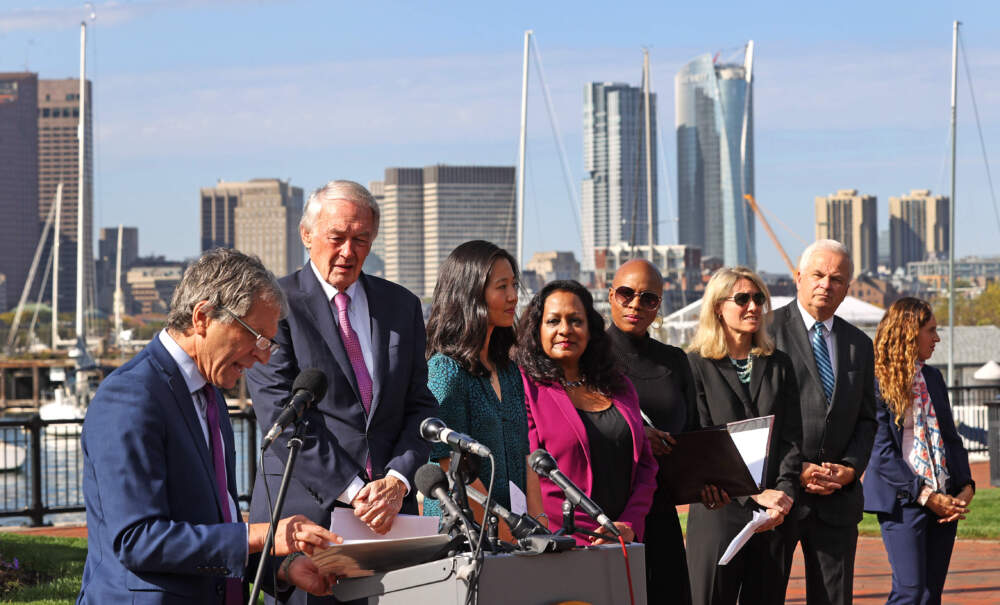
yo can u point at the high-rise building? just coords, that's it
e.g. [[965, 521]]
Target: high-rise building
[[462, 203], [58, 162], [375, 262], [918, 227], [401, 227], [714, 120], [107, 262], [850, 218], [614, 203], [427, 212], [259, 216], [19, 226]]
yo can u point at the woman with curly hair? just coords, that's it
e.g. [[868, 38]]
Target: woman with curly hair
[[584, 412], [469, 338], [738, 374], [918, 479]]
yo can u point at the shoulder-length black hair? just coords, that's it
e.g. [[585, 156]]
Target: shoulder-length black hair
[[597, 365], [457, 326]]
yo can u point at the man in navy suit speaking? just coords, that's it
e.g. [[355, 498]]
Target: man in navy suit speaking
[[362, 445], [158, 452]]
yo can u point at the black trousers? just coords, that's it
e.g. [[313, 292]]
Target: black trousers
[[754, 577], [666, 561], [828, 552]]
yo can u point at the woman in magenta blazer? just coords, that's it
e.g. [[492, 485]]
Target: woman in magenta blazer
[[584, 412]]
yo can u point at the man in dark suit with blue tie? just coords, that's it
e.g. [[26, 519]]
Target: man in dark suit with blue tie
[[835, 367], [362, 445], [159, 465]]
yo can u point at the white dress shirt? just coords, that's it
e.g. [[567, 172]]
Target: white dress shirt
[[361, 322], [831, 340], [194, 382]]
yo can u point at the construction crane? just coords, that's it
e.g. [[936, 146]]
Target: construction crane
[[767, 227]]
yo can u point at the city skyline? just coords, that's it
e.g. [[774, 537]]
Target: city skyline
[[443, 86]]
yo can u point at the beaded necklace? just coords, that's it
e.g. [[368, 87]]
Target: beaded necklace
[[743, 368]]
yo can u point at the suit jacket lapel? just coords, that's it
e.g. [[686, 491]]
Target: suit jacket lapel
[[572, 418], [380, 337], [185, 408], [799, 338], [322, 314], [843, 358], [728, 373]]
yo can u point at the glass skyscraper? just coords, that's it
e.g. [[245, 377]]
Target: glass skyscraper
[[614, 156], [714, 118]]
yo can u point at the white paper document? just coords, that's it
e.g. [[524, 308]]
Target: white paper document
[[518, 501], [759, 518], [752, 446], [353, 530]]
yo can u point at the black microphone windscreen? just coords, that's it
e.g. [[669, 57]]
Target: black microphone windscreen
[[311, 380], [542, 462], [429, 477], [430, 428]]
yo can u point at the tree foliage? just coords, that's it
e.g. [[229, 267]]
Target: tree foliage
[[983, 310]]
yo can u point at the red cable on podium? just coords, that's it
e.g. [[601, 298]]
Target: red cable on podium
[[628, 570]]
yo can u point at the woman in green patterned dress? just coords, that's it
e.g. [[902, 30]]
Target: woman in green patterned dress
[[469, 337]]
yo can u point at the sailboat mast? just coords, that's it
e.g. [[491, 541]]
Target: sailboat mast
[[951, 208], [649, 153], [81, 213], [56, 236], [119, 302], [521, 151]]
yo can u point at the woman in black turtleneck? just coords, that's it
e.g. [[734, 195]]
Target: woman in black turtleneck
[[662, 379]]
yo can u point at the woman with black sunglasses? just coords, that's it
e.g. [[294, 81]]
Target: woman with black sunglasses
[[738, 374], [662, 379]]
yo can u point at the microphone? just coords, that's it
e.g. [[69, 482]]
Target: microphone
[[544, 465], [436, 431], [308, 388], [521, 526], [432, 483]]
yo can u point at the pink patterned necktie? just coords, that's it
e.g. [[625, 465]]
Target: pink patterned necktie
[[353, 347], [234, 586]]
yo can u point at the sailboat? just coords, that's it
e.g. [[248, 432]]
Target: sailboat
[[72, 396]]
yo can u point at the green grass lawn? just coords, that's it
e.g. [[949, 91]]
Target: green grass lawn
[[60, 558], [983, 522]]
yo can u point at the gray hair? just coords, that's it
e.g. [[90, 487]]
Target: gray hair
[[339, 190], [225, 278], [827, 245]]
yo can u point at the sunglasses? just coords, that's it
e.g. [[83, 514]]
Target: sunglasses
[[647, 300], [743, 298]]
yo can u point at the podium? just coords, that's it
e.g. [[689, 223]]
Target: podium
[[593, 575]]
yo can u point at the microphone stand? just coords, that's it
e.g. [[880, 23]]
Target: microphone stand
[[569, 523], [294, 445], [461, 473]]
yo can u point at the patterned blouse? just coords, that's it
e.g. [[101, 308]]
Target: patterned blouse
[[469, 405]]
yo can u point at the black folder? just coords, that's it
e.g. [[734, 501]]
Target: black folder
[[710, 456]]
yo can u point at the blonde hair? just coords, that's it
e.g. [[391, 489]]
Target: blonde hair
[[896, 352], [710, 339]]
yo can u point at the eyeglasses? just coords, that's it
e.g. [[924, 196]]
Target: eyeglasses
[[647, 300], [263, 343], [743, 298]]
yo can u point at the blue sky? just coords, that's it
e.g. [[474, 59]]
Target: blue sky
[[187, 92]]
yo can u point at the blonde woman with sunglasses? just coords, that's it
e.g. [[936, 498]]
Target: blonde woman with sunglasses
[[738, 374]]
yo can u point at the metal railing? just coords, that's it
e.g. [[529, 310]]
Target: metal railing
[[41, 465], [48, 478]]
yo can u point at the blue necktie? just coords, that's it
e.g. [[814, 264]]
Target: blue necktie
[[822, 355]]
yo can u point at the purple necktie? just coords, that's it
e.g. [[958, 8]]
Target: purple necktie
[[353, 347], [234, 586]]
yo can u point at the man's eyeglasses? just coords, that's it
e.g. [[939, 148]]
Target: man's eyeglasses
[[647, 300], [743, 298], [263, 343]]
